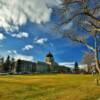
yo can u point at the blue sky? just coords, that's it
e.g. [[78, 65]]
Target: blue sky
[[38, 43], [27, 32]]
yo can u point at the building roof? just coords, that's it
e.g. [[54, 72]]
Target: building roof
[[49, 55]]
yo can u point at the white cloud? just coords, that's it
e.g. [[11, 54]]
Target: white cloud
[[24, 57], [9, 51], [2, 37], [20, 35], [41, 40], [15, 52], [71, 64], [17, 56], [16, 12], [68, 26], [12, 52], [67, 64], [1, 46], [27, 47]]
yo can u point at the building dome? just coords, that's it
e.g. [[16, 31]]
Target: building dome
[[49, 55], [49, 58]]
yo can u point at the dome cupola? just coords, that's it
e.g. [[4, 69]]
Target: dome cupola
[[49, 58]]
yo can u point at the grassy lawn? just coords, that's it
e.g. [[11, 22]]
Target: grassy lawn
[[49, 87]]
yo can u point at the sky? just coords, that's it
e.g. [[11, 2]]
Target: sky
[[26, 32]]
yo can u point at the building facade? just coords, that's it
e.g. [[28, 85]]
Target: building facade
[[23, 66], [49, 65]]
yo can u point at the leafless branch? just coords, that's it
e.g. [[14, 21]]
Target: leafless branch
[[80, 40], [78, 14], [95, 9]]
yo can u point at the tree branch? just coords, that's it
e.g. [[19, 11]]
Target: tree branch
[[74, 38], [96, 8], [72, 1], [94, 25], [85, 29], [81, 13]]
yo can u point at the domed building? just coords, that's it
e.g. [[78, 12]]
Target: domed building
[[49, 65], [49, 59]]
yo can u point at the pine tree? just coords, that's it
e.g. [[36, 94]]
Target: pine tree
[[76, 67], [7, 64], [12, 64]]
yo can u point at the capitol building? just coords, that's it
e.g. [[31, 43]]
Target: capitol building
[[49, 65]]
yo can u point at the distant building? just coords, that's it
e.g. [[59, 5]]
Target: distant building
[[49, 59], [49, 65], [42, 67], [53, 66], [23, 66]]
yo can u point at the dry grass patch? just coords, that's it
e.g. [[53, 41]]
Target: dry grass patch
[[49, 87]]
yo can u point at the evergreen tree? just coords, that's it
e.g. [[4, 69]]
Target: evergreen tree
[[7, 64], [12, 64], [76, 67], [1, 64], [18, 64]]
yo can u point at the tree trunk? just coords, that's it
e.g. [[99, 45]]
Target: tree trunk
[[96, 56], [97, 61]]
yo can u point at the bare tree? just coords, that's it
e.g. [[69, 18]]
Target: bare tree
[[85, 15], [89, 60]]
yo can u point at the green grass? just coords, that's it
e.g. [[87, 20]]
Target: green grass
[[49, 87]]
